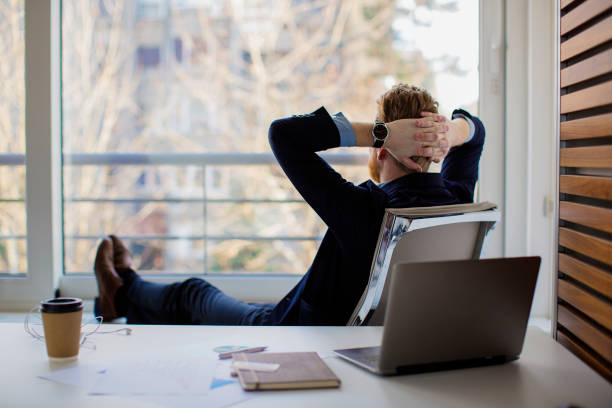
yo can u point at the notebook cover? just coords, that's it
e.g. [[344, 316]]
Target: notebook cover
[[297, 370]]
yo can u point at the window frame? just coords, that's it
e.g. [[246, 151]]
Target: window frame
[[42, 160], [44, 167]]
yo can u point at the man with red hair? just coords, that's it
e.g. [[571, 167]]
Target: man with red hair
[[407, 135]]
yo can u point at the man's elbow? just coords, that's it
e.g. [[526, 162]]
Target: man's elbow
[[480, 130], [275, 132]]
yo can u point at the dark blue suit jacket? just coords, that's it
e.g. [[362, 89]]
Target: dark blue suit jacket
[[330, 290]]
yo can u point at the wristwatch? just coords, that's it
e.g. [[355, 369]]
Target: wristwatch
[[379, 133]]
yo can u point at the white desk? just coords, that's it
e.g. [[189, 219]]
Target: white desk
[[546, 375]]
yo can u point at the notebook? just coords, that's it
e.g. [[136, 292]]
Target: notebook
[[296, 371]]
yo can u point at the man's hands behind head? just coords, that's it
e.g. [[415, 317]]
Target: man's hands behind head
[[418, 137], [439, 151]]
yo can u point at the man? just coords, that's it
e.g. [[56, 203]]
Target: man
[[330, 289]]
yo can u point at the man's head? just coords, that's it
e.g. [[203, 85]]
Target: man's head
[[400, 102]]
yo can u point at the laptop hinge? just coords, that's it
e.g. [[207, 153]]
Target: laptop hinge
[[453, 365]]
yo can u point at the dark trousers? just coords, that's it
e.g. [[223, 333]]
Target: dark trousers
[[193, 301]]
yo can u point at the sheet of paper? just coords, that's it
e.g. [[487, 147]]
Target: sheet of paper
[[84, 376], [217, 398], [209, 370], [222, 375], [152, 376], [210, 350], [206, 349]]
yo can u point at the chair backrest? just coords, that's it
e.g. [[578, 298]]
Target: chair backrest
[[420, 239]]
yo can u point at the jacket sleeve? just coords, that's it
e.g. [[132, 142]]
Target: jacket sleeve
[[339, 203], [460, 167]]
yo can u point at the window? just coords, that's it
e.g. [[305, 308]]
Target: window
[[13, 259], [164, 109], [165, 116]]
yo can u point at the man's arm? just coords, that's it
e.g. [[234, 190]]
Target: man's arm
[[338, 202], [461, 165], [295, 141], [458, 131]]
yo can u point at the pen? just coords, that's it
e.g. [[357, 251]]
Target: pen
[[229, 354]]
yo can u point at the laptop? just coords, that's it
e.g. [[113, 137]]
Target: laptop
[[452, 314]]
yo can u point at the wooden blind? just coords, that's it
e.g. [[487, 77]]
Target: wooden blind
[[584, 284]]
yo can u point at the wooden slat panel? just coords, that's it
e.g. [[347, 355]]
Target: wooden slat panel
[[585, 331], [587, 215], [565, 3], [587, 186], [583, 13], [592, 156], [593, 277], [595, 308], [592, 97], [589, 38], [596, 248], [594, 126], [584, 355], [595, 66], [586, 287]]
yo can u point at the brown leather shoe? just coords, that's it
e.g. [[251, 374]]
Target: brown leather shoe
[[122, 257], [108, 281]]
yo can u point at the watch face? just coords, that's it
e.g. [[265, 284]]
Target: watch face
[[380, 131]]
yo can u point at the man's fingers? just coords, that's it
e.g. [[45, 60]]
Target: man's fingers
[[434, 116], [432, 139], [412, 165], [440, 150], [428, 126], [407, 162], [425, 151], [426, 137], [425, 123], [441, 127]]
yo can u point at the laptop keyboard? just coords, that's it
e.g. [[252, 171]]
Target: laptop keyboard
[[368, 356], [371, 360]]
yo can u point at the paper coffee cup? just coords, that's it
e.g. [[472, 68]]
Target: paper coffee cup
[[62, 325]]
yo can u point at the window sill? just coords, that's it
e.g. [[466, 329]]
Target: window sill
[[248, 288]]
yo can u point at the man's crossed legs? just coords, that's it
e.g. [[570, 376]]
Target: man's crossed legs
[[123, 293]]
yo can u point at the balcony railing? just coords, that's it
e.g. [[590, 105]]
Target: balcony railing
[[180, 159], [183, 159]]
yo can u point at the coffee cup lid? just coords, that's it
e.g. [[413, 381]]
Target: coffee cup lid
[[61, 305]]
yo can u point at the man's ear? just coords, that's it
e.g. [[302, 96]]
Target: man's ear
[[382, 153]]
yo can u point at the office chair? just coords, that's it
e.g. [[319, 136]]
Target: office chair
[[419, 235]]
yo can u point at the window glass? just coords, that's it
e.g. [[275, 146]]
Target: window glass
[[166, 107], [13, 258]]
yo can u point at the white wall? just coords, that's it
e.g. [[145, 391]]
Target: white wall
[[491, 184], [518, 104], [531, 140]]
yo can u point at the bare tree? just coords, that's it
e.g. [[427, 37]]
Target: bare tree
[[211, 78]]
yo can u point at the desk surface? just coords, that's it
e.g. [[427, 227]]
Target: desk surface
[[546, 375]]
